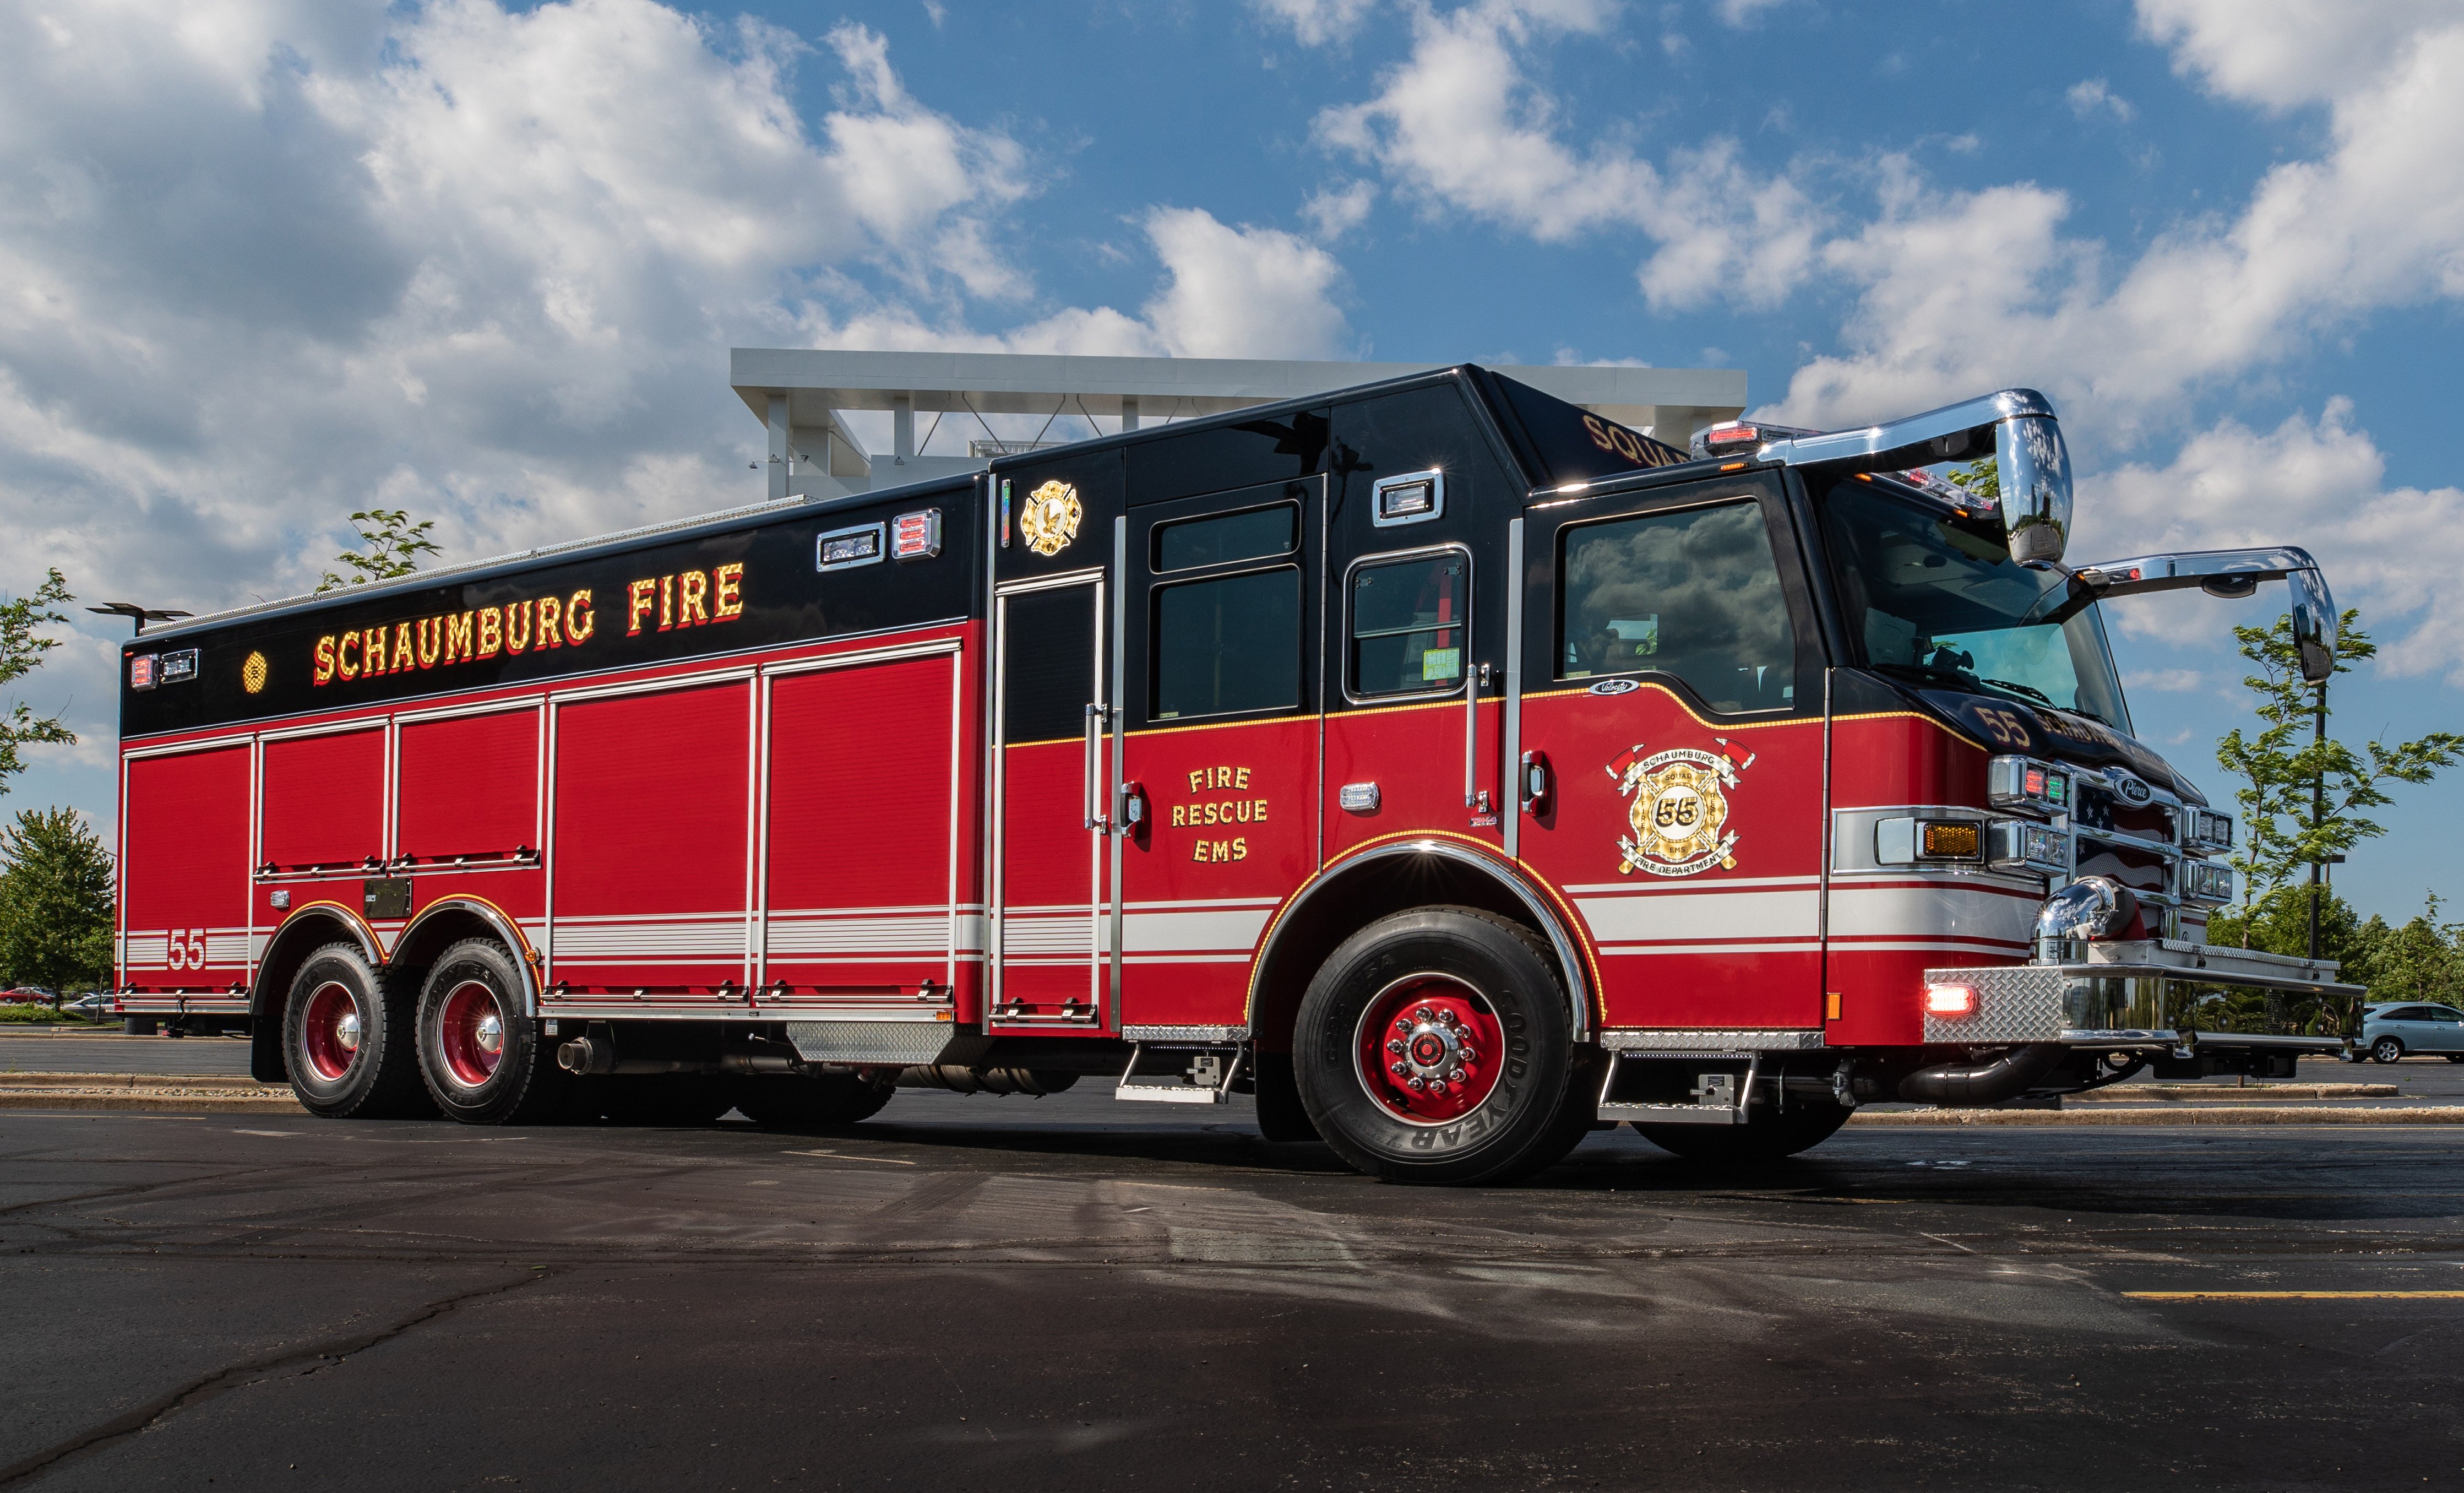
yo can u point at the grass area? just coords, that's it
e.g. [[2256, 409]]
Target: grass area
[[20, 1016]]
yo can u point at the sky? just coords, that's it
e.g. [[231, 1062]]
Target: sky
[[263, 262]]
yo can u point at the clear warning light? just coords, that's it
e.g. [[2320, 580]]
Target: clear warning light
[[1950, 1000]]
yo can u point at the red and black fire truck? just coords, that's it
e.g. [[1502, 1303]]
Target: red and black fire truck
[[1451, 768]]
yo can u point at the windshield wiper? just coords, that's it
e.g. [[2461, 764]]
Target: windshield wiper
[[2021, 689], [1928, 672]]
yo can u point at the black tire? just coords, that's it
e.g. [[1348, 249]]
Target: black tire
[[665, 1099], [138, 1025], [1767, 1136], [824, 1102], [517, 1081], [346, 1039], [1281, 1114], [2386, 1050], [1528, 1109]]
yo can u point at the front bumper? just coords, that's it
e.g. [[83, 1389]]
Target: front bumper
[[2133, 994]]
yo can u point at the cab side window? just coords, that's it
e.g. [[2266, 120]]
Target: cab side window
[[1690, 592], [1407, 619], [1227, 645]]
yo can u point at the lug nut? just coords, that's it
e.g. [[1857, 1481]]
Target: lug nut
[[1465, 1053], [1417, 1083], [1398, 1070], [1456, 1074], [1447, 1016], [1401, 1024], [1423, 1013], [1437, 1085], [1394, 1044]]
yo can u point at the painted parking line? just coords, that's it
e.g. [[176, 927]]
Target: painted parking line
[[2295, 1295]]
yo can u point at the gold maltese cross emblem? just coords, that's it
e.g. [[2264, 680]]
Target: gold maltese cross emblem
[[1051, 517], [1679, 813]]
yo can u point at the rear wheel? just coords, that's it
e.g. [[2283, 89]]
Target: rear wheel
[[346, 1039], [1435, 1045], [821, 1102], [1768, 1136], [485, 1062], [2386, 1050]]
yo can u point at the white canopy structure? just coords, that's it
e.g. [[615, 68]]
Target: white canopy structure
[[802, 395]]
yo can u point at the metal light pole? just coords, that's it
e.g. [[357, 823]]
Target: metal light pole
[[2317, 808]]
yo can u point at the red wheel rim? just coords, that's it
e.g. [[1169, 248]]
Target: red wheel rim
[[331, 1030], [1429, 1049], [471, 1033]]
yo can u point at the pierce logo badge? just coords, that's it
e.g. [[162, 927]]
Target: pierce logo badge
[[1051, 517], [1679, 813]]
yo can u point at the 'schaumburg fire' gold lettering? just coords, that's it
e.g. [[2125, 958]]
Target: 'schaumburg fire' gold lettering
[[514, 628]]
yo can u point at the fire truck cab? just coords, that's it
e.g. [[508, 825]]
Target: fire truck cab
[[1451, 768]]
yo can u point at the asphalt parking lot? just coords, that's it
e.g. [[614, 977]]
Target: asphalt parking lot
[[1071, 1292]]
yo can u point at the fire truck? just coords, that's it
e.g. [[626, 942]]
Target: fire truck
[[1451, 769]]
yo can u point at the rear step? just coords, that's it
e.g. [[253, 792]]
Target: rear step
[[1206, 1078]]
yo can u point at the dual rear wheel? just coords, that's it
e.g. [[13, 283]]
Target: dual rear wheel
[[366, 1044]]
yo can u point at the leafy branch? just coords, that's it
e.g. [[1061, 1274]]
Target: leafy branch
[[21, 651], [390, 546]]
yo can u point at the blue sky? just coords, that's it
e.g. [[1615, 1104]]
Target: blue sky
[[274, 260]]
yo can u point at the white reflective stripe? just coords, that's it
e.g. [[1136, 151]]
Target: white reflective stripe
[[1705, 915], [1805, 946], [1935, 911], [792, 933], [1215, 933], [711, 938], [1640, 886]]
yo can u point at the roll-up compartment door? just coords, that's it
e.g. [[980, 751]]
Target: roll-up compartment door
[[651, 861], [861, 869], [467, 791], [185, 876], [324, 802]]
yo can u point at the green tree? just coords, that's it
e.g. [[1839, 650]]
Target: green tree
[[2301, 792], [2420, 961], [21, 650], [1983, 479], [391, 545], [55, 902]]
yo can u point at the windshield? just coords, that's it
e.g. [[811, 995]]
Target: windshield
[[1936, 599]]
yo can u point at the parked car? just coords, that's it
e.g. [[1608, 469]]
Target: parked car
[[94, 1006], [2391, 1030], [29, 995]]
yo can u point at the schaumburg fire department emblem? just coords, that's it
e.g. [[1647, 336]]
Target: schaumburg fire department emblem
[[1051, 517], [1679, 813]]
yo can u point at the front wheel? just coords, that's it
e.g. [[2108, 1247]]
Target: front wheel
[[1767, 1136], [2386, 1050], [485, 1062], [1435, 1045]]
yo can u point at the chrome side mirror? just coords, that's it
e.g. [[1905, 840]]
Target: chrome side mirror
[[2036, 475], [2315, 624], [2226, 573]]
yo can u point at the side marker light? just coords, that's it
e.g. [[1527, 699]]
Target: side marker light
[[1950, 1000]]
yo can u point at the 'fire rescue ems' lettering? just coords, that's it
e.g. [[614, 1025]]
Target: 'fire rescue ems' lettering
[[687, 599], [1218, 811]]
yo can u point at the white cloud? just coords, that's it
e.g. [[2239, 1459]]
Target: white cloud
[[1317, 23], [2162, 681], [2093, 96], [1338, 210], [1459, 125], [2395, 552], [2284, 52], [1958, 292], [262, 262], [1743, 13]]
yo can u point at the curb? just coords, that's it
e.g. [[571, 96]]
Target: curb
[[175, 1081], [159, 1101], [2170, 1092], [2166, 1118]]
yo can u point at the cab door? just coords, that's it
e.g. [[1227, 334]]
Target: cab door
[[1670, 737], [1220, 761], [1051, 898]]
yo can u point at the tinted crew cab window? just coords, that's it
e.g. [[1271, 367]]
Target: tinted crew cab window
[[1228, 645], [1408, 620], [1691, 592]]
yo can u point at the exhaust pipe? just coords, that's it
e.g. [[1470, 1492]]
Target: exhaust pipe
[[596, 1053], [1972, 1085], [959, 1079]]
